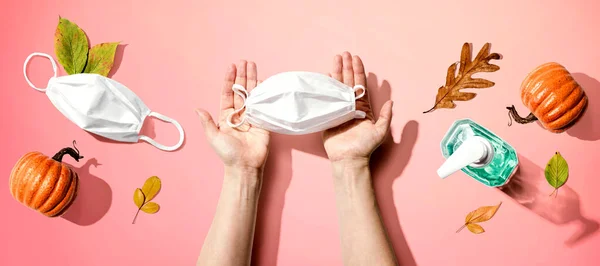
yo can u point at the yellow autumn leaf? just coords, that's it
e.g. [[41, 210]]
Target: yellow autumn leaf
[[482, 214], [475, 228], [151, 188], [138, 197], [150, 207], [479, 215]]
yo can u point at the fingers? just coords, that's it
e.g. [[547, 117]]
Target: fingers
[[226, 92], [385, 118], [252, 76], [240, 79], [360, 78], [210, 129], [336, 71], [347, 69]]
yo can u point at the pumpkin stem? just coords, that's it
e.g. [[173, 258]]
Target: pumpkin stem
[[512, 114], [73, 152]]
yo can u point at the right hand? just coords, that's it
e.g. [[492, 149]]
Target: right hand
[[243, 147]]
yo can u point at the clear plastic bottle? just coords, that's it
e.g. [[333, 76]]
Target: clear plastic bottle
[[479, 153]]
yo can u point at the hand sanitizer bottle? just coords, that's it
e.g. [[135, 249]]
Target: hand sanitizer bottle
[[479, 153]]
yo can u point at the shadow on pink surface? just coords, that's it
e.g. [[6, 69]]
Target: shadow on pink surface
[[588, 127], [388, 163], [93, 198], [530, 189], [118, 59]]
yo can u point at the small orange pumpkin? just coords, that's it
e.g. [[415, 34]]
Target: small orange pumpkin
[[553, 97], [45, 184]]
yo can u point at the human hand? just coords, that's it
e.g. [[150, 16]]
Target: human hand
[[358, 138], [245, 146]]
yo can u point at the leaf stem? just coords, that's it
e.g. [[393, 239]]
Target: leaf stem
[[136, 214], [432, 108], [461, 228], [555, 193]]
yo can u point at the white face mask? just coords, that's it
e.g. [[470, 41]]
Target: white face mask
[[101, 106], [298, 103]]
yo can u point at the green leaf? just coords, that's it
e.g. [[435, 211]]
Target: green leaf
[[557, 171], [138, 197], [150, 207], [151, 188], [71, 46], [101, 58]]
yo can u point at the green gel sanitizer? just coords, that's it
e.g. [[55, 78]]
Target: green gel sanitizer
[[479, 153]]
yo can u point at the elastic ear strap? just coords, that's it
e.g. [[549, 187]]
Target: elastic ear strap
[[360, 87], [27, 62], [242, 92], [158, 145]]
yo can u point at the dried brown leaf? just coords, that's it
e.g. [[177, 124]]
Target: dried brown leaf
[[457, 81]]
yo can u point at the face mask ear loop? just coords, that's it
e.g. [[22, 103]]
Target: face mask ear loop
[[27, 62], [360, 87], [242, 92], [168, 120], [359, 114]]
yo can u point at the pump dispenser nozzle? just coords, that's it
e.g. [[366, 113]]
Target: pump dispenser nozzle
[[475, 151]]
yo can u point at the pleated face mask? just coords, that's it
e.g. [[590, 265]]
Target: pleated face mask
[[101, 106], [296, 103]]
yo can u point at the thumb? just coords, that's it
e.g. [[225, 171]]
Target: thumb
[[385, 118], [210, 129]]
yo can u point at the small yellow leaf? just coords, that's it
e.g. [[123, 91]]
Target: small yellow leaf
[[151, 188], [482, 214], [475, 228], [138, 197], [150, 207]]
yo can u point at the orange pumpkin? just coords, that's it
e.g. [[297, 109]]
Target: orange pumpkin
[[45, 184], [553, 97]]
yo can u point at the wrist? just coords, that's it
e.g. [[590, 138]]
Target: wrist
[[350, 170], [352, 182], [250, 177], [350, 164]]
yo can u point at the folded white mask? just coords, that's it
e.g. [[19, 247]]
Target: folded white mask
[[296, 103], [101, 106]]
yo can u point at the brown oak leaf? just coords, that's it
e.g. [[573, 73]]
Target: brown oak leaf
[[456, 81]]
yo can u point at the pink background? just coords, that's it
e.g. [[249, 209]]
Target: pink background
[[174, 57]]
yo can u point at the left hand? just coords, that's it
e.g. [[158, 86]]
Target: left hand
[[358, 138]]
